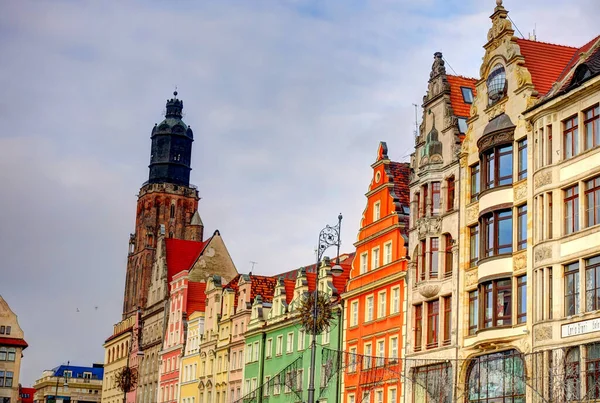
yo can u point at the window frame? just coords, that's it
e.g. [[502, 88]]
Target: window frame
[[418, 332], [433, 323], [387, 252], [381, 308], [448, 255], [395, 300], [493, 247], [592, 122], [436, 198], [369, 308], [592, 294], [492, 158], [469, 91], [450, 193], [570, 135], [434, 257], [475, 174], [521, 299], [376, 211], [571, 273], [447, 331], [354, 307], [592, 194], [474, 245], [375, 257], [522, 159], [522, 227], [571, 200], [364, 262], [491, 290], [474, 318]]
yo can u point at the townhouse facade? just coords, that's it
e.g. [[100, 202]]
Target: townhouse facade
[[374, 326], [12, 344], [70, 383], [434, 230], [190, 362]]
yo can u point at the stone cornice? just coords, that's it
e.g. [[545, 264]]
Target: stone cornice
[[377, 234]]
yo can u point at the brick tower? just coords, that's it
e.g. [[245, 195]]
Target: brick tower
[[166, 202]]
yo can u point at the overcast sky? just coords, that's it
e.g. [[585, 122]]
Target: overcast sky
[[287, 99]]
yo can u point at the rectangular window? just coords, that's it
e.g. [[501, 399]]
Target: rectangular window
[[1, 379], [550, 309], [382, 306], [256, 351], [394, 348], [592, 284], [326, 335], [447, 320], [522, 299], [467, 94], [433, 320], [380, 352], [425, 198], [462, 125], [266, 391], [435, 198], [497, 303], [475, 181], [393, 395], [592, 201], [473, 312], [418, 205], [591, 127], [570, 137], [434, 246], [352, 360], [571, 202], [351, 398], [375, 257], [369, 309], [301, 335], [379, 396], [550, 214], [571, 289], [364, 261], [522, 160], [418, 326], [592, 369], [248, 351], [395, 300], [522, 227], [376, 211], [8, 382], [276, 385], [450, 192], [540, 147], [289, 346], [497, 233], [279, 345], [473, 245], [421, 263], [549, 144], [354, 312], [387, 253], [448, 256], [367, 356], [498, 167]]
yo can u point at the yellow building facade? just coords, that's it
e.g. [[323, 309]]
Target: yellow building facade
[[116, 349], [12, 345], [190, 362]]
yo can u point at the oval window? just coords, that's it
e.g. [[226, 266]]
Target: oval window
[[496, 84]]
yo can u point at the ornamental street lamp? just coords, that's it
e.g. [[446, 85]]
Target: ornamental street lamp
[[329, 236]]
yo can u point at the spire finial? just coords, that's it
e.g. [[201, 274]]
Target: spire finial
[[499, 3]]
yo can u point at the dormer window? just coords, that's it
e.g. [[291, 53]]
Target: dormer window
[[467, 94], [462, 125], [496, 84]]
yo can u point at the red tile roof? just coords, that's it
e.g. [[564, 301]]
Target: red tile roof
[[340, 282], [460, 107], [233, 285], [181, 255], [263, 286], [290, 286], [196, 297], [569, 70], [9, 341], [401, 174], [545, 62]]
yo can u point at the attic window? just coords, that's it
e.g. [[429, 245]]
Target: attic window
[[467, 94], [462, 125], [496, 84], [581, 74]]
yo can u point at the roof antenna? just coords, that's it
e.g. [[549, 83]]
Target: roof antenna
[[252, 269], [416, 123]]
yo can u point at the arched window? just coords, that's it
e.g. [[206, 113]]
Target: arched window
[[172, 210], [496, 377], [109, 356]]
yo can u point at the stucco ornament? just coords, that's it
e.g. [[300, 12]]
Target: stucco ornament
[[520, 191], [542, 179], [429, 289], [542, 253], [520, 261], [522, 76], [531, 101], [471, 278], [472, 213], [499, 25], [473, 109], [543, 333], [429, 225], [496, 110]]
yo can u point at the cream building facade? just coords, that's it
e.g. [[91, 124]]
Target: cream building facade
[[433, 234], [116, 349], [70, 384], [12, 344], [190, 362]]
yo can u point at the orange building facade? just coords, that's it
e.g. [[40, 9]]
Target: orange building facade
[[375, 300]]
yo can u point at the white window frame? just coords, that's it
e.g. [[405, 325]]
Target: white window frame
[[364, 262], [387, 252], [395, 300], [379, 396], [381, 308], [269, 348], [376, 210], [367, 355], [375, 257], [351, 398], [256, 351], [392, 392], [354, 313], [326, 336], [380, 352], [353, 359], [369, 308], [289, 344], [279, 345], [301, 339], [394, 351], [249, 353]]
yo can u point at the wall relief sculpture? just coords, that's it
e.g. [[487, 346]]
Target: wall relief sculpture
[[471, 278], [472, 213], [520, 261], [542, 179], [429, 225], [542, 253], [520, 191], [543, 333], [429, 289]]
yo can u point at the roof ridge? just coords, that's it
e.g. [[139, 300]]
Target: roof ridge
[[548, 43], [461, 76]]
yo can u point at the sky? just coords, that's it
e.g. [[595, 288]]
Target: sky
[[288, 101]]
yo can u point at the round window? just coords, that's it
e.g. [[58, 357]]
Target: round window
[[377, 177], [496, 84]]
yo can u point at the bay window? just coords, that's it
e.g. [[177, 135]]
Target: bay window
[[434, 246], [571, 203], [433, 318], [448, 258], [473, 245], [473, 312], [498, 166], [592, 201], [522, 160], [475, 182], [497, 233], [418, 326], [522, 299], [421, 263], [447, 320], [522, 227], [591, 127], [571, 288], [570, 137]]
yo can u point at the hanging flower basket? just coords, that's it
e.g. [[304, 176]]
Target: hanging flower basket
[[324, 313]]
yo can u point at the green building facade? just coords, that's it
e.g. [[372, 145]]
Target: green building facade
[[277, 349]]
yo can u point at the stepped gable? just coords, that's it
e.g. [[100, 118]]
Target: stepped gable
[[181, 255], [459, 106], [196, 297], [545, 62]]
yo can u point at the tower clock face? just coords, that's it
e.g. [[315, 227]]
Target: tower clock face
[[496, 84]]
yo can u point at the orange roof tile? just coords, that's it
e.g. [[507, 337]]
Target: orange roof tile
[[233, 285], [460, 107], [575, 61], [290, 286], [196, 297], [181, 255], [545, 62], [401, 175], [263, 286]]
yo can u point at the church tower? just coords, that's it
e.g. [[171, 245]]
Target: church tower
[[166, 202]]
